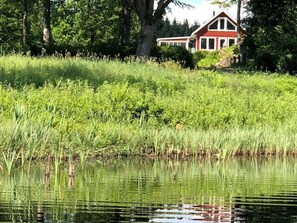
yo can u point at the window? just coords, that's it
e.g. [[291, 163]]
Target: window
[[207, 43], [223, 43], [231, 42], [230, 26], [221, 24], [203, 44], [211, 44], [214, 25]]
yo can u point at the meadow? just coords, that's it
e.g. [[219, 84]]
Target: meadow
[[73, 107]]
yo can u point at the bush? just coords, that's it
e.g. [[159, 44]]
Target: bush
[[176, 53], [199, 55], [207, 58]]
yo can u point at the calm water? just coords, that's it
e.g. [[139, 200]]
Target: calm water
[[154, 191]]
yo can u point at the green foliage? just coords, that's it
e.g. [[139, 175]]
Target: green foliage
[[175, 53], [206, 59], [63, 106], [85, 24], [10, 25], [271, 36], [165, 28], [77, 26]]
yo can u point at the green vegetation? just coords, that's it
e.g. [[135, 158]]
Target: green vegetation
[[79, 107], [178, 54], [272, 42], [213, 59], [206, 59]]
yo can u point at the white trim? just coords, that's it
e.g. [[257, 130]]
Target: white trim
[[235, 41], [217, 15], [226, 42], [169, 39], [179, 37], [175, 40], [218, 19], [207, 42]]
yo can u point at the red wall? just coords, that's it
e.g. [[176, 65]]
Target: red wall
[[218, 34], [204, 32]]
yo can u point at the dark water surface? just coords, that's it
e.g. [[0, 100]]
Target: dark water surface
[[154, 191]]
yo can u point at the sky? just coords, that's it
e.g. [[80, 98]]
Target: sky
[[202, 12]]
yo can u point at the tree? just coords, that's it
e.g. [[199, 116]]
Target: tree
[[125, 24], [165, 28], [148, 15], [86, 26], [47, 22], [271, 34], [11, 25], [25, 25]]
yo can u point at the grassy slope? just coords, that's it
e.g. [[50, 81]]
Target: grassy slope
[[74, 106]]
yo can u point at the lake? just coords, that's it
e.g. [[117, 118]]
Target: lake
[[144, 190]]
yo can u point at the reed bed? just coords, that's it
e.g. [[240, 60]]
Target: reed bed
[[90, 107]]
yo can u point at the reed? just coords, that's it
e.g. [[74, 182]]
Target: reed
[[51, 106], [9, 161]]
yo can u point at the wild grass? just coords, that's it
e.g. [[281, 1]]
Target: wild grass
[[90, 107]]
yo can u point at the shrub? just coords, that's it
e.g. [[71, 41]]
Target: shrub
[[176, 53], [207, 59], [199, 55], [210, 58]]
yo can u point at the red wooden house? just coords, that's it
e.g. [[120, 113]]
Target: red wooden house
[[218, 32]]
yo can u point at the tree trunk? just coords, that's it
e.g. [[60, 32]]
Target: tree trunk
[[125, 24], [238, 20], [148, 15], [47, 22], [91, 30], [25, 26], [145, 40]]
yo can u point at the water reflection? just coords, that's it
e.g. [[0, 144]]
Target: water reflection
[[194, 213], [153, 191]]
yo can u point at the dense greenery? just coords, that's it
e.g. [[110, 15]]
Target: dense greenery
[[271, 35], [166, 28], [125, 27], [85, 26], [215, 59], [76, 27], [178, 54], [101, 107]]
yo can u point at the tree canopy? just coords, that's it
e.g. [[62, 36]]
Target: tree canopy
[[125, 27], [271, 34]]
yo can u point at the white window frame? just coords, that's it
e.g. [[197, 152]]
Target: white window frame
[[207, 42], [226, 42], [235, 41], [219, 24]]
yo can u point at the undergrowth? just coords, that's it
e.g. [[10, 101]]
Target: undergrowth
[[51, 106]]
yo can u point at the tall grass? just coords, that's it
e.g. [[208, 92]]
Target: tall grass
[[63, 107]]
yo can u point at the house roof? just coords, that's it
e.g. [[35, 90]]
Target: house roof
[[212, 19]]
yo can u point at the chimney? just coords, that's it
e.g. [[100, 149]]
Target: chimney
[[213, 13]]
